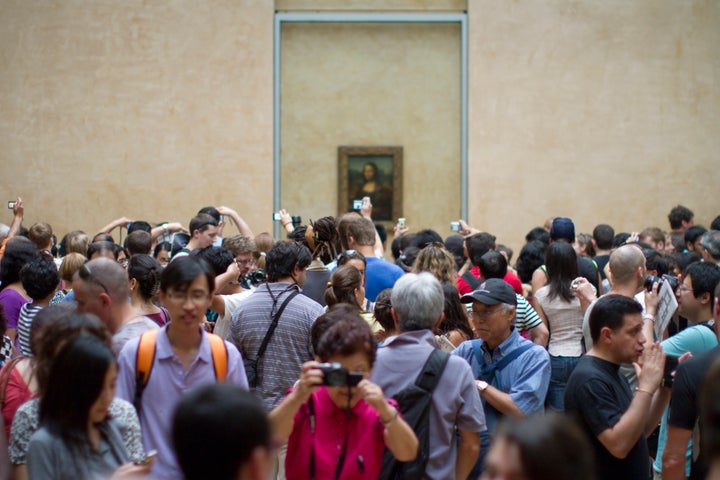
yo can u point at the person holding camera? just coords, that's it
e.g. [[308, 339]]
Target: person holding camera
[[336, 421]]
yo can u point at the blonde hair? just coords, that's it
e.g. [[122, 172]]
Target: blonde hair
[[40, 234], [71, 263], [263, 242], [437, 261]]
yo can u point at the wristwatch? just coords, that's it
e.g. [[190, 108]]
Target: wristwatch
[[481, 385]]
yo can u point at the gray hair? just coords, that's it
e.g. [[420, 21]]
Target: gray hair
[[710, 241], [418, 300]]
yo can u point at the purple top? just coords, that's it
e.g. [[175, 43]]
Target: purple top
[[455, 400], [12, 301], [168, 382]]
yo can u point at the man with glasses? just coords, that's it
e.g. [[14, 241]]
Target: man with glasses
[[512, 373], [183, 359], [242, 247], [101, 287]]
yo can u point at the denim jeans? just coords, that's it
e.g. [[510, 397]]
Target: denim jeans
[[561, 368]]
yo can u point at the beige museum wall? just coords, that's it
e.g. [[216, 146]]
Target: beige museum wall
[[608, 112], [143, 109], [603, 111], [372, 85]]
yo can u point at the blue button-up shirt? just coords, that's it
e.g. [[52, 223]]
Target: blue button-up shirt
[[525, 379]]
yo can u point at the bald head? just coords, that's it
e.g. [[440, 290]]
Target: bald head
[[624, 263], [103, 274]]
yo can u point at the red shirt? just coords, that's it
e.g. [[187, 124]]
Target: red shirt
[[365, 444], [510, 278]]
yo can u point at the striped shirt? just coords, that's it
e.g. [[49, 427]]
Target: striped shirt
[[526, 318], [290, 345], [27, 313]]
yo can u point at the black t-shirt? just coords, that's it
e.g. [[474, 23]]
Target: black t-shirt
[[601, 261], [587, 269], [597, 395], [684, 406]]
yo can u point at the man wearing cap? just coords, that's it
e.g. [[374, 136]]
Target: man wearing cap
[[563, 230], [512, 373]]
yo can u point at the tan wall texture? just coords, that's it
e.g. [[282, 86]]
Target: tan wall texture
[[372, 85], [607, 112], [603, 111], [143, 109]]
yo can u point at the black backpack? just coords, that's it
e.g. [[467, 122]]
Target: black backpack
[[415, 402]]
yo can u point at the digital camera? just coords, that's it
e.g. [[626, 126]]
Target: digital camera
[[255, 278], [672, 281], [335, 375]]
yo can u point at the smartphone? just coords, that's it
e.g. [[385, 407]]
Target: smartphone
[[357, 204], [11, 204], [671, 364], [276, 216], [455, 226], [401, 223], [148, 458]]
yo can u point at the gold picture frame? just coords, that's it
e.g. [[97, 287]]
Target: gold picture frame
[[375, 172]]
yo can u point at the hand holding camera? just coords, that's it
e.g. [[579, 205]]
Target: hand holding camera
[[311, 377], [335, 375]]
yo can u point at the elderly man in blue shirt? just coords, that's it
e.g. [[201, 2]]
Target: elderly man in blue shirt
[[512, 373]]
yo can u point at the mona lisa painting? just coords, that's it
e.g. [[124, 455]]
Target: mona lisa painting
[[373, 172]]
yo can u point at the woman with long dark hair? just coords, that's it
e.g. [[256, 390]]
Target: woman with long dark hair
[[455, 327], [77, 439], [560, 310]]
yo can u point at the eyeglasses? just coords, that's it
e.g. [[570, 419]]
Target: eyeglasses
[[684, 288], [87, 276], [196, 297], [487, 313], [249, 261]]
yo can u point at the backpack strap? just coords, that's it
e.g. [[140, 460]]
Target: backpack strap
[[144, 360], [273, 326], [471, 280], [219, 352], [429, 376], [487, 372]]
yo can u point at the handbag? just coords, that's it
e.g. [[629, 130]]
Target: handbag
[[251, 364]]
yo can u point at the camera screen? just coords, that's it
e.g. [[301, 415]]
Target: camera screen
[[276, 216], [357, 204]]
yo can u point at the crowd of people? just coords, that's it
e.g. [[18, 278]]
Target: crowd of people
[[194, 352]]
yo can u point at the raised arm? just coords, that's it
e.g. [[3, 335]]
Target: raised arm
[[118, 222], [18, 212], [621, 437], [366, 211], [240, 223]]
